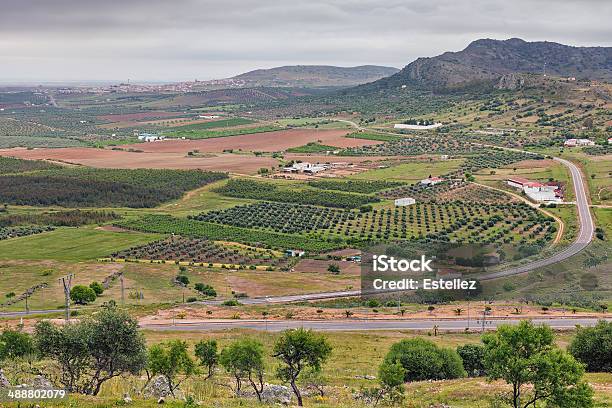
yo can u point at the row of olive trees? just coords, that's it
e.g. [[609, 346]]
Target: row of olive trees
[[298, 350], [109, 344]]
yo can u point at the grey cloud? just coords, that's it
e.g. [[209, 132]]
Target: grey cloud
[[163, 39]]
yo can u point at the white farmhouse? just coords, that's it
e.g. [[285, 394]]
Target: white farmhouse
[[431, 181], [402, 202], [416, 127]]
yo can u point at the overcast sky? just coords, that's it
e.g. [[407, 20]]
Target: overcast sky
[[167, 40]]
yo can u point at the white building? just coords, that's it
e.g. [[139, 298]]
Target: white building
[[578, 142], [209, 116], [402, 202], [416, 127], [305, 167], [537, 191], [431, 181], [149, 137], [294, 253]]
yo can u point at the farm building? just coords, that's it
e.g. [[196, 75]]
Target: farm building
[[416, 127], [578, 142], [402, 202], [307, 168], [150, 137], [431, 181], [209, 116], [294, 253], [549, 192]]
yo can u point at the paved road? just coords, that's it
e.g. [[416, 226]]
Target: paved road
[[360, 325], [585, 235]]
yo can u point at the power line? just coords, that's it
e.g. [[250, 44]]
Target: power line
[[67, 284]]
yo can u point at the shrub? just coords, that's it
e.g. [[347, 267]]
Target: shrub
[[423, 360], [15, 344], [97, 287], [183, 280], [472, 356], [206, 290], [593, 347], [82, 294]]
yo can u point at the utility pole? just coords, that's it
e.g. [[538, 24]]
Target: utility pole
[[26, 301], [67, 284], [122, 290]]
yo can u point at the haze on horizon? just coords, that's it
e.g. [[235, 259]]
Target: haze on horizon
[[156, 40]]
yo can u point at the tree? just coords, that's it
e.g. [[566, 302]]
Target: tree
[[182, 279], [526, 357], [82, 294], [93, 351], [472, 356], [206, 351], [593, 347], [424, 360], [15, 344], [97, 287], [170, 360], [334, 268], [300, 349], [243, 359], [206, 290]]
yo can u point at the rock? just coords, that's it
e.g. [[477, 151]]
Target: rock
[[4, 382], [369, 377], [127, 399], [276, 394], [161, 400], [511, 81], [158, 388], [41, 381]]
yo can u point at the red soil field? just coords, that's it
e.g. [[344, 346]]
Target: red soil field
[[265, 142], [104, 158]]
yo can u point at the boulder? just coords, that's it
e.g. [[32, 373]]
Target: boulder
[[276, 394], [41, 381], [4, 382], [158, 388]]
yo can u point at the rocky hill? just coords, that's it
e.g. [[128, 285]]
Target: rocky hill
[[314, 76], [496, 63]]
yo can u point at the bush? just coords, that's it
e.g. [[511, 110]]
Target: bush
[[206, 290], [15, 344], [593, 347], [472, 356], [183, 280], [97, 287], [423, 360], [82, 294]]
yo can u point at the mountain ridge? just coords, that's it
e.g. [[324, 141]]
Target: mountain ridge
[[484, 62]]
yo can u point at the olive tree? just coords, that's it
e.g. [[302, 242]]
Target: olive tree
[[526, 357], [206, 351], [170, 360], [593, 347], [93, 351], [300, 349], [243, 359]]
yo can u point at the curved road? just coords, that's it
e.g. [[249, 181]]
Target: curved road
[[585, 235]]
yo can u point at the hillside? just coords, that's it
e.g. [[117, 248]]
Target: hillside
[[488, 63], [315, 76]]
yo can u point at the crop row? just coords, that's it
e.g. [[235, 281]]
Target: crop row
[[197, 250], [166, 224], [453, 221], [14, 232], [74, 187], [355, 186], [265, 191]]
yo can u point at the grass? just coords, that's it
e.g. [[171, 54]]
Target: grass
[[312, 147], [412, 171], [224, 123], [354, 355], [374, 136], [71, 244], [209, 134]]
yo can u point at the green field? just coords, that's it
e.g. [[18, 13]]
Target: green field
[[209, 134], [71, 244], [411, 171]]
